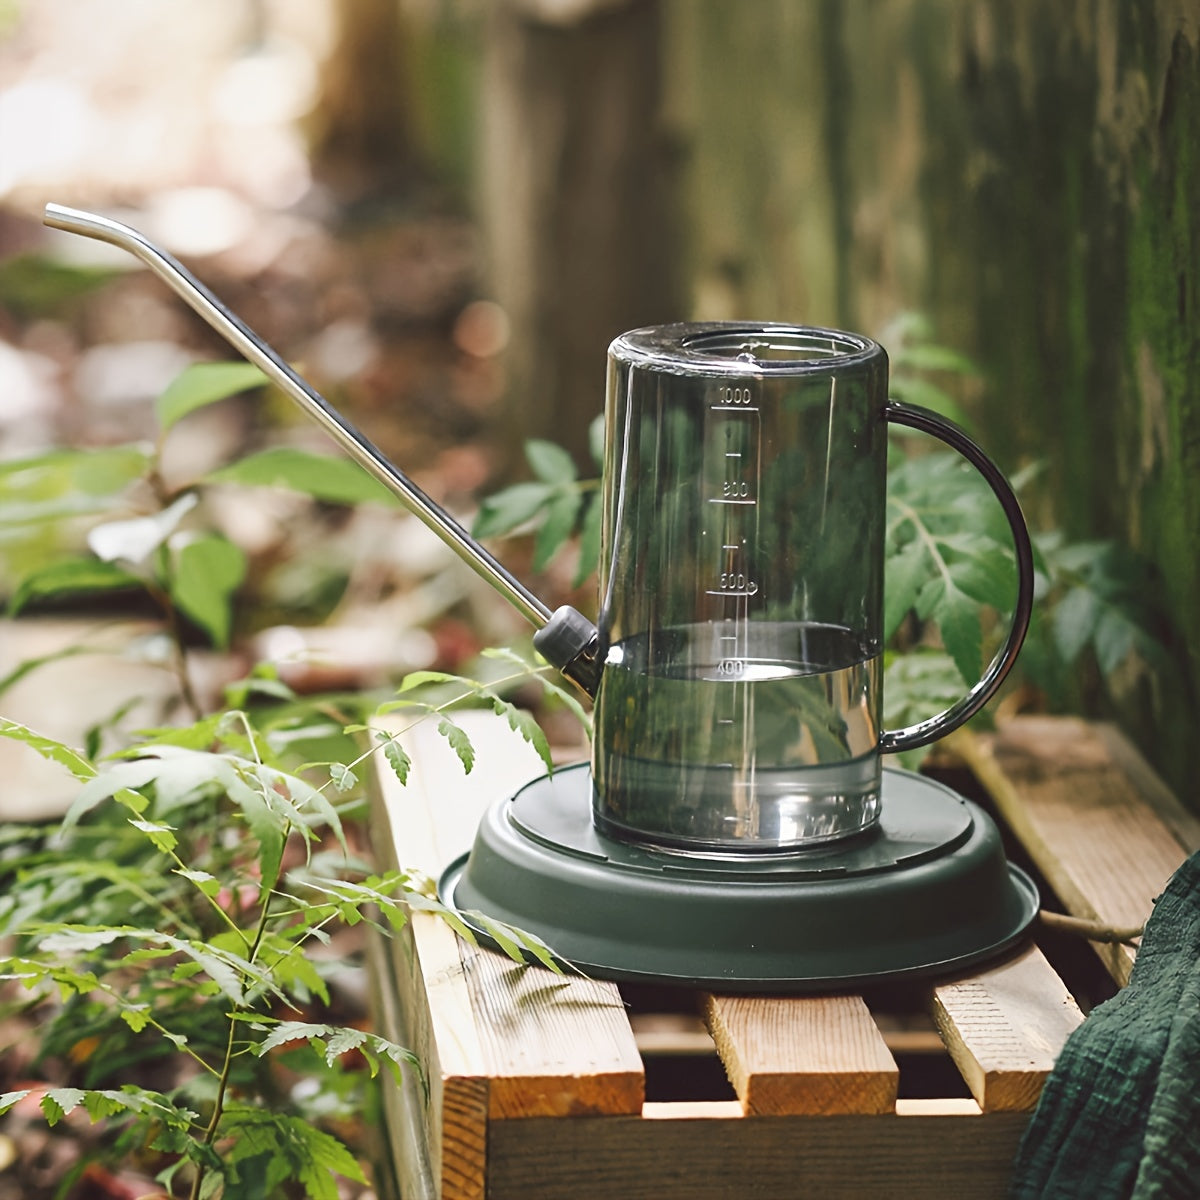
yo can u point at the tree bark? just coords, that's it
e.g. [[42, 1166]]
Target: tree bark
[[362, 145], [577, 202]]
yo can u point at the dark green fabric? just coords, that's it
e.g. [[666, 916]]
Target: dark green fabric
[[1119, 1118]]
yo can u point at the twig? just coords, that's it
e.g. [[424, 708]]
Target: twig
[[1094, 931]]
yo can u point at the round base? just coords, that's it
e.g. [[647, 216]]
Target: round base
[[926, 891]]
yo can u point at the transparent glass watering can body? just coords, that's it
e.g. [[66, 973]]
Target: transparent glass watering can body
[[736, 662], [741, 587]]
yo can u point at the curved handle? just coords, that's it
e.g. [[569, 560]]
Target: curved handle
[[929, 730]]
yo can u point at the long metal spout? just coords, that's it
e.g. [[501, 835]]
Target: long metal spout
[[248, 343]]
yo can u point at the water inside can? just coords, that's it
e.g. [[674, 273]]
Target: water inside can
[[768, 745]]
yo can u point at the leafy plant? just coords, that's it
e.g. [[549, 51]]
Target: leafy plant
[[557, 505], [164, 935], [166, 930], [144, 536]]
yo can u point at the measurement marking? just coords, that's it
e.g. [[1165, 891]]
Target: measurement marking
[[733, 454], [724, 720], [722, 500], [729, 546], [742, 592], [728, 637], [732, 408]]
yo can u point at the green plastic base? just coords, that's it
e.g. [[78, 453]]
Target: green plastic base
[[927, 892]]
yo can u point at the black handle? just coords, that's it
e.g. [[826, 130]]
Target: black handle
[[935, 727]]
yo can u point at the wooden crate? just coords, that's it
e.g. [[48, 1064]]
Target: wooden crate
[[537, 1086]]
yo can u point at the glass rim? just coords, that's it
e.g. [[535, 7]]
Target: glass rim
[[746, 348]]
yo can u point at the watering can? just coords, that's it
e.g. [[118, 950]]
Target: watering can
[[735, 663]]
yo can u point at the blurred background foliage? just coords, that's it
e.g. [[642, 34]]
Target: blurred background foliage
[[445, 209]]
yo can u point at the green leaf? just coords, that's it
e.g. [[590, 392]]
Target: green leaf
[[511, 508], [984, 568], [342, 1041], [556, 527], [396, 757], [67, 483], [550, 462], [322, 476], [589, 540], [957, 617], [546, 678], [37, 285], [924, 356], [80, 939], [48, 748], [102, 1103], [904, 576], [596, 440], [177, 774], [8, 1099], [133, 541], [137, 1017], [267, 828], [515, 942], [343, 778], [59, 753], [326, 1157], [161, 836], [1115, 638], [58, 1102], [291, 968], [202, 384], [72, 576], [311, 803], [416, 679], [523, 722], [459, 742], [207, 571], [1074, 622]]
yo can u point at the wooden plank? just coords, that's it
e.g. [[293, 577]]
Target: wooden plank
[[704, 1153], [1004, 1027], [422, 826], [815, 1054], [405, 1124], [1183, 824], [556, 1045], [1082, 812]]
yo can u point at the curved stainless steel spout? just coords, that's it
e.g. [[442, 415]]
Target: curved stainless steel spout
[[571, 654]]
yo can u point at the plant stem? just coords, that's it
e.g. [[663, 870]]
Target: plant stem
[[178, 650], [210, 1132]]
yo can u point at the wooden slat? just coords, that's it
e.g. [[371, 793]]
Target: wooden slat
[[1004, 1026], [706, 1153], [543, 1044], [1082, 812], [815, 1055], [423, 825], [556, 1045]]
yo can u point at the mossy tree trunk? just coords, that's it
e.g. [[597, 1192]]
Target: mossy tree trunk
[[1024, 173]]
